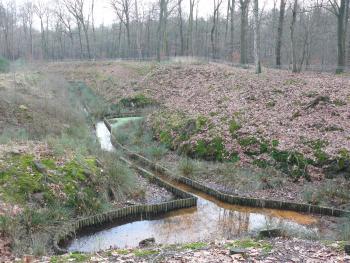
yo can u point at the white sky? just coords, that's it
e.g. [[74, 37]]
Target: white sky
[[104, 13]]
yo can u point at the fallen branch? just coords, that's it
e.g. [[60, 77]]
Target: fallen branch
[[317, 101]]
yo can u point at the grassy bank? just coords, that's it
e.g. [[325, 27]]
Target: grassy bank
[[51, 168]]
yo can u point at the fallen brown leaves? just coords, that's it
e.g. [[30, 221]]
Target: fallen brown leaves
[[283, 250]]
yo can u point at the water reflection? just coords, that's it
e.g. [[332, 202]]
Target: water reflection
[[210, 220]]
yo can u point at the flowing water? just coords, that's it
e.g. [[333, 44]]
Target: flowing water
[[210, 220]]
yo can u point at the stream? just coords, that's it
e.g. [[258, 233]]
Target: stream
[[210, 220]]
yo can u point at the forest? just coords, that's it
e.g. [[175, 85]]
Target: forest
[[298, 34]]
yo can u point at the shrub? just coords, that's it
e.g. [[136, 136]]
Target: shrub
[[121, 179], [186, 166], [213, 150], [157, 152]]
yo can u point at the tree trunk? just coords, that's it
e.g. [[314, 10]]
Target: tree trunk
[[182, 44], [244, 25], [342, 17], [138, 32], [257, 38], [80, 40], [232, 28], [292, 30], [190, 29], [160, 30], [280, 33], [87, 40]]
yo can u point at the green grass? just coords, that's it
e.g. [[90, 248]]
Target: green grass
[[344, 229], [195, 245], [12, 134], [186, 166], [145, 252], [72, 257], [329, 192], [122, 251]]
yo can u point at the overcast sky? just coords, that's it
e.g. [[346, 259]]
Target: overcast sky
[[104, 13]]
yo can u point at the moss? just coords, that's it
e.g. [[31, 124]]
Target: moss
[[19, 180], [195, 245], [251, 243], [73, 257], [145, 252], [122, 251], [74, 184]]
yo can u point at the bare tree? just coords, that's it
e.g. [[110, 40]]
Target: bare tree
[[341, 11], [181, 29], [257, 37], [122, 9], [292, 36], [190, 29], [68, 27], [213, 33], [76, 8], [280, 32], [164, 12], [65, 19], [138, 31], [244, 5], [232, 27], [42, 11], [28, 16]]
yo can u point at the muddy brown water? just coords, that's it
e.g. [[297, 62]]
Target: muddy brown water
[[210, 220]]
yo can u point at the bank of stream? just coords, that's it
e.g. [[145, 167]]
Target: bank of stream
[[210, 220]]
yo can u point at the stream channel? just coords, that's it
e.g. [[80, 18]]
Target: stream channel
[[210, 220]]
